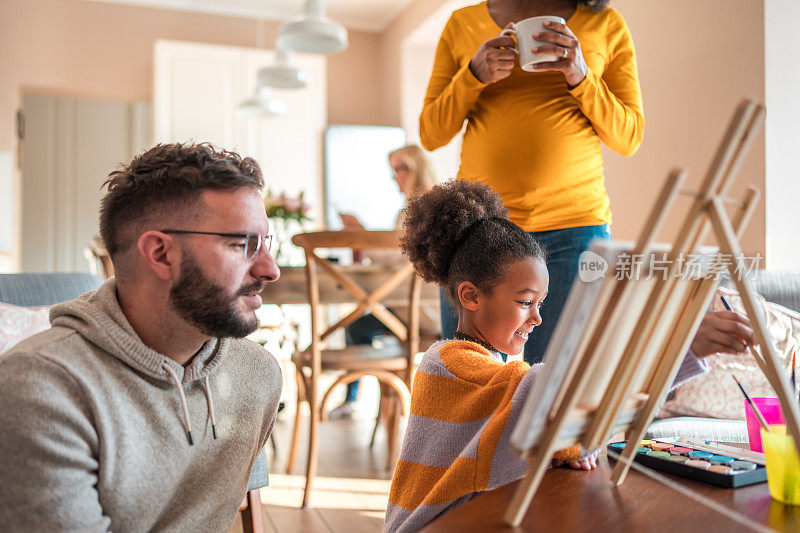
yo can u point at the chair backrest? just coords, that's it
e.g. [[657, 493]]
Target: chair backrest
[[96, 253], [366, 301]]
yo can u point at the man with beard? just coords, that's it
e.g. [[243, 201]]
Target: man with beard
[[142, 408]]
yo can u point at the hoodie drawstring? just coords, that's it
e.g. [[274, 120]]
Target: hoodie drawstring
[[185, 406], [207, 390]]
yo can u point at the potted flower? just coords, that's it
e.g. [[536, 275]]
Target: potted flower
[[287, 215]]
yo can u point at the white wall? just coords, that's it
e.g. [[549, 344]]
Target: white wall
[[69, 148], [417, 52], [197, 88], [782, 87], [7, 215]]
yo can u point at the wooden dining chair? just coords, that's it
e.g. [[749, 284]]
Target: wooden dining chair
[[392, 365], [95, 252]]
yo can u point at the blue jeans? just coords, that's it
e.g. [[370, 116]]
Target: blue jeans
[[362, 331], [564, 247]]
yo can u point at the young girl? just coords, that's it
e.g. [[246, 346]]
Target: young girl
[[466, 400]]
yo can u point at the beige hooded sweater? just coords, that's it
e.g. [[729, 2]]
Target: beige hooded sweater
[[93, 430]]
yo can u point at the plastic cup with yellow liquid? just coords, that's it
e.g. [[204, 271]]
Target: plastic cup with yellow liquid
[[783, 465]]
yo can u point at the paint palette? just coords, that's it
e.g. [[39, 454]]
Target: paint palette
[[688, 460]]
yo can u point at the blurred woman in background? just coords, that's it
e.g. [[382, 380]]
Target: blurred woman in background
[[413, 173]]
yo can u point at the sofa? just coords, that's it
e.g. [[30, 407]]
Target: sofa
[[780, 287], [44, 289]]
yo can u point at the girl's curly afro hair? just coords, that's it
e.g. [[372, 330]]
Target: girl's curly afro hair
[[459, 231]]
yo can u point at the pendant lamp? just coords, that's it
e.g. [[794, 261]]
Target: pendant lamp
[[261, 105], [314, 33], [281, 74]]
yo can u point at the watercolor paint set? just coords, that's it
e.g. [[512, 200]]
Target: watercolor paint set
[[717, 464]]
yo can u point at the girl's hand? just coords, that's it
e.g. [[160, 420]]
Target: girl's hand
[[494, 59], [566, 45], [587, 463]]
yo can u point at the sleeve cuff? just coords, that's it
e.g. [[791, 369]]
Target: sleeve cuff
[[467, 79], [691, 367], [584, 86]]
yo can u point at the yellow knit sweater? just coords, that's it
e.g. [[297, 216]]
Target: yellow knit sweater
[[533, 140]]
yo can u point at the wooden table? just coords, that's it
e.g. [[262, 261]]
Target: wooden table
[[571, 500], [291, 287]]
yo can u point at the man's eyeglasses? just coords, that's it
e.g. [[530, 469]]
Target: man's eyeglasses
[[252, 241]]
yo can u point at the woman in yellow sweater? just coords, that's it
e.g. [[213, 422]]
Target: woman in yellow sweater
[[535, 137]]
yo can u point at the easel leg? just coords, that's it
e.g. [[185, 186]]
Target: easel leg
[[527, 488], [775, 374], [674, 352], [623, 465]]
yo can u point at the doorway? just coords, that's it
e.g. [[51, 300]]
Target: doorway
[[68, 149]]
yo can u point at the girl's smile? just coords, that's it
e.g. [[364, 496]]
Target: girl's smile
[[507, 315]]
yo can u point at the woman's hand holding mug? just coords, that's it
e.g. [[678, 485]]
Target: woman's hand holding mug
[[494, 59], [561, 42], [542, 43]]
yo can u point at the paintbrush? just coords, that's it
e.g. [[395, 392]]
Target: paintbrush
[[753, 406], [720, 449], [794, 372], [725, 303], [749, 346]]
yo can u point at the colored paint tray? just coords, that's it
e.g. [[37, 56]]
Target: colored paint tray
[[733, 480]]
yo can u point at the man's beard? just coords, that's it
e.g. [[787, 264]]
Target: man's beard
[[209, 307]]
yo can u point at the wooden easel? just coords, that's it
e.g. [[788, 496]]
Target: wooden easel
[[622, 358]]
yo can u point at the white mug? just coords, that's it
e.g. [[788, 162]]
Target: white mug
[[523, 32]]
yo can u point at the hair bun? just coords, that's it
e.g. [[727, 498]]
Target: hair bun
[[436, 221]]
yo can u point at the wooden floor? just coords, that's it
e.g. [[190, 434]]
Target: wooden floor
[[352, 488]]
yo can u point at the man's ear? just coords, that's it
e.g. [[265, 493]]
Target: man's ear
[[469, 296], [157, 251]]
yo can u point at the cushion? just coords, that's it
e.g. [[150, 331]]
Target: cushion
[[715, 394], [716, 430], [18, 323]]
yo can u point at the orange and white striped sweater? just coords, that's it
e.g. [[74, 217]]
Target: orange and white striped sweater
[[460, 408], [464, 405]]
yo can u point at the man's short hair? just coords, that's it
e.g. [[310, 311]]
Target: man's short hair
[[167, 181]]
